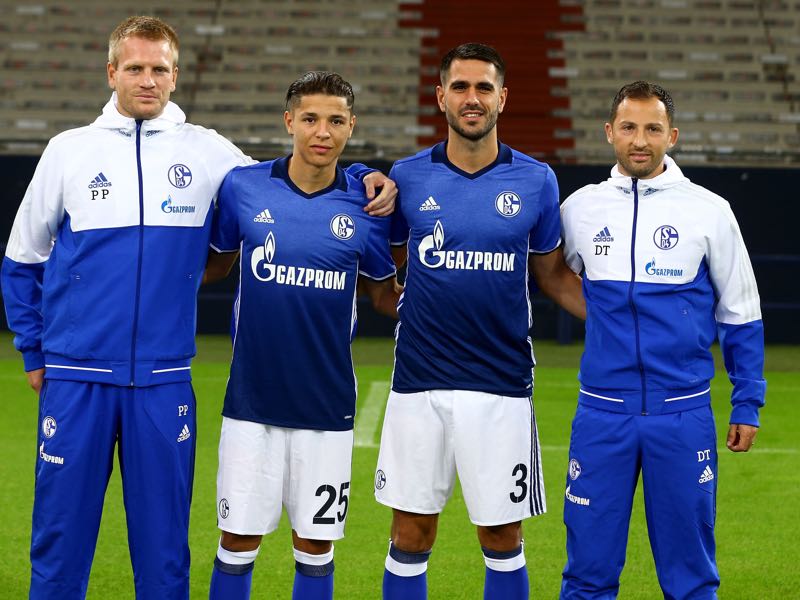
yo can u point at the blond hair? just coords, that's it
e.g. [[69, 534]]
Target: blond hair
[[149, 28]]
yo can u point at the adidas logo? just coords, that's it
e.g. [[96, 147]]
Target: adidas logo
[[604, 235], [263, 217], [706, 476], [99, 181], [430, 204], [185, 434]]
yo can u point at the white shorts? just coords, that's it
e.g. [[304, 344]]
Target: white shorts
[[490, 441], [263, 467]]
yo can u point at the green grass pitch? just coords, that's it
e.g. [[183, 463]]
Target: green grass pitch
[[757, 513]]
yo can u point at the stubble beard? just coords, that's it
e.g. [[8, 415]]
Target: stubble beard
[[639, 171], [473, 135]]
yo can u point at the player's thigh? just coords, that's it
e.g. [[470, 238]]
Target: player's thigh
[[600, 480], [497, 457], [680, 484], [250, 477], [317, 486], [157, 443], [680, 478], [416, 467], [77, 433]]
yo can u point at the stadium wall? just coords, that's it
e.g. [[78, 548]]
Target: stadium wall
[[764, 201]]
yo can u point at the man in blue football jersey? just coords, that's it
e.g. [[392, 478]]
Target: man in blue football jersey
[[666, 272], [476, 217], [287, 431]]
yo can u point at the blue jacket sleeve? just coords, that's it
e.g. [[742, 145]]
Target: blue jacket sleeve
[[22, 296], [738, 314], [743, 354]]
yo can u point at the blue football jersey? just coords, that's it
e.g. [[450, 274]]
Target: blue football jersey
[[465, 312], [295, 314]]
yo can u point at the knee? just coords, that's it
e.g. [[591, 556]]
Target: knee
[[233, 542], [413, 532], [316, 547], [501, 538]]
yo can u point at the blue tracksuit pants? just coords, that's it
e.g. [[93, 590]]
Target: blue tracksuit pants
[[677, 458], [154, 431]]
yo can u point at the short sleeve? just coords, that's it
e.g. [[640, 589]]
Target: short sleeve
[[398, 234], [546, 233], [377, 263], [225, 224]]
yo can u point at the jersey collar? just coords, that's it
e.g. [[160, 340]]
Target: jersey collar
[[439, 155], [280, 169]]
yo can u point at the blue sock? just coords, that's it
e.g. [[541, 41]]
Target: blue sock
[[404, 577], [232, 575], [506, 575], [313, 576]]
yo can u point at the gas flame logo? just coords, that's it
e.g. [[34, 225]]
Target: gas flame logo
[[438, 235], [269, 247], [261, 260], [429, 242]]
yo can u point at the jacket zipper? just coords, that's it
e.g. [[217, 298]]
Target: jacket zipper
[[631, 303], [141, 249]]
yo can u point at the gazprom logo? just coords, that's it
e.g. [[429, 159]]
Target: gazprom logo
[[264, 269], [168, 207], [432, 256], [652, 269]]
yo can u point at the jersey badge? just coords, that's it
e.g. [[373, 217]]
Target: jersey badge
[[429, 204], [665, 237], [263, 217], [343, 227], [224, 508], [380, 480], [574, 469], [49, 426], [179, 176], [508, 204]]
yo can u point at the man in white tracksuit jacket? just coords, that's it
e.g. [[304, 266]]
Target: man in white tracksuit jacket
[[665, 272], [100, 281]]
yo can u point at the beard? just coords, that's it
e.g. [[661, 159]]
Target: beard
[[473, 134], [640, 170]]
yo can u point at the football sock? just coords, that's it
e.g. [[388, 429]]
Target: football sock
[[506, 575], [313, 576], [404, 577], [232, 575]]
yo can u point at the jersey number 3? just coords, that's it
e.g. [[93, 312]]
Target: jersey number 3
[[520, 471]]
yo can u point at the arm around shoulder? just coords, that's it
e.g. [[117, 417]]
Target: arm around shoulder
[[558, 281], [218, 265], [384, 294]]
